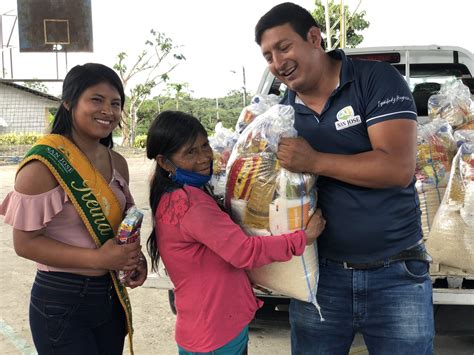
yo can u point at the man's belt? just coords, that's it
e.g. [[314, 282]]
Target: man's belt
[[414, 253]]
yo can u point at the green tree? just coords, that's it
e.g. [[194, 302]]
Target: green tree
[[354, 23], [148, 111], [230, 107], [150, 69], [178, 91]]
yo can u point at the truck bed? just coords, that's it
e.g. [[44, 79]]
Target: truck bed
[[452, 285]]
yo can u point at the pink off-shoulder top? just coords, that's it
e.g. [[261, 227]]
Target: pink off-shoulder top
[[54, 211]]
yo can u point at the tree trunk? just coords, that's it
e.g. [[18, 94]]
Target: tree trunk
[[133, 124], [125, 132]]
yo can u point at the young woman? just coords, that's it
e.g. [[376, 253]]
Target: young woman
[[204, 251], [70, 195]]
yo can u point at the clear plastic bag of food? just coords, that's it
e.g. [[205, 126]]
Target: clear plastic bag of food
[[436, 148], [258, 105], [221, 143], [266, 199], [462, 136], [453, 103]]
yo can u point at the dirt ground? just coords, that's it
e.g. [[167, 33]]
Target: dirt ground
[[153, 319]]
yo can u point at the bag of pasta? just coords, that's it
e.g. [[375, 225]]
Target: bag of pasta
[[451, 240], [267, 199]]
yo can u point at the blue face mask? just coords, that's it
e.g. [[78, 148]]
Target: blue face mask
[[186, 177]]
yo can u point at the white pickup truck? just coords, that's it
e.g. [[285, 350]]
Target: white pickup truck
[[425, 68]]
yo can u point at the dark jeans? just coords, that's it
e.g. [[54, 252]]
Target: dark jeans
[[74, 314], [390, 306]]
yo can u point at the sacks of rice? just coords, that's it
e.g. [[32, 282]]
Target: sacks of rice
[[451, 239], [430, 197]]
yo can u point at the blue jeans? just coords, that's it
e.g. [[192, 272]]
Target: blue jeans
[[74, 315], [390, 306]]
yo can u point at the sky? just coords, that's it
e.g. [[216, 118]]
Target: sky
[[217, 36]]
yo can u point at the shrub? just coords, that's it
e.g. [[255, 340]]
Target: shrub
[[19, 138], [140, 141]]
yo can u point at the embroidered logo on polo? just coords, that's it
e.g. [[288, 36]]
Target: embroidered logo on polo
[[346, 118]]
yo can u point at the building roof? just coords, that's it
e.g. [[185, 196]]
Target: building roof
[[29, 90]]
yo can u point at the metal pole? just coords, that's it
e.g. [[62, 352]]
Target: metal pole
[[57, 65], [11, 62], [8, 44], [1, 47], [343, 25], [328, 26], [217, 107], [407, 66]]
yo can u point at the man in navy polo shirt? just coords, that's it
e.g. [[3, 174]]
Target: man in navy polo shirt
[[356, 122]]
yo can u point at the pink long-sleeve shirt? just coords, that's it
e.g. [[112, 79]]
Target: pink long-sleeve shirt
[[205, 254]]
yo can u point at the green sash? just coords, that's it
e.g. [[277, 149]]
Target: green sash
[[90, 194]]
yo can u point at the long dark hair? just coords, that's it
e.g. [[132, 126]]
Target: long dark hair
[[77, 80], [168, 132]]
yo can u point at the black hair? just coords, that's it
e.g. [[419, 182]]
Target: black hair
[[298, 17], [77, 80], [168, 132]]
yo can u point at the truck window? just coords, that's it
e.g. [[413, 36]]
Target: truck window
[[426, 80]]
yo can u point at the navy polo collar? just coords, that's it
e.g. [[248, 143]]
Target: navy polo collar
[[347, 71]]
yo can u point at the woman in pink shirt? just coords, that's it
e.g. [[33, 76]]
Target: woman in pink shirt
[[204, 251]]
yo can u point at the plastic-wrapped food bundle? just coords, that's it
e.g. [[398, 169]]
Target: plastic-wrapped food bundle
[[129, 232], [453, 103], [258, 105], [267, 199], [435, 149], [462, 136], [451, 240], [221, 143]]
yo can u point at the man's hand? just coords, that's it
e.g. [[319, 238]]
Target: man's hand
[[296, 155]]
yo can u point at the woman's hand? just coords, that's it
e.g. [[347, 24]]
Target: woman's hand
[[139, 275], [114, 256], [314, 227]]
